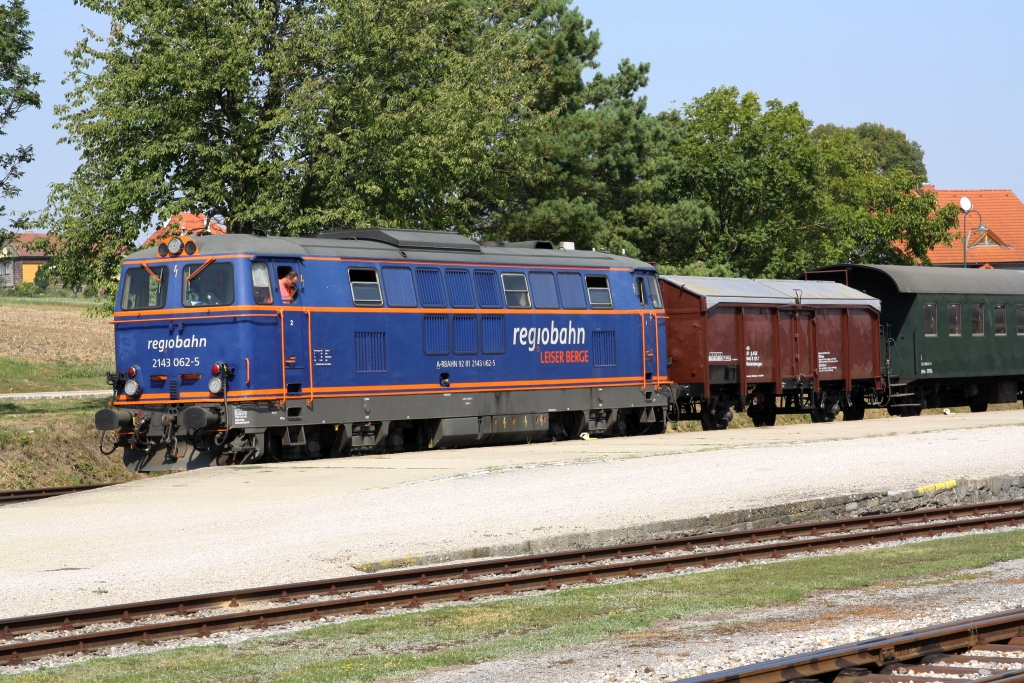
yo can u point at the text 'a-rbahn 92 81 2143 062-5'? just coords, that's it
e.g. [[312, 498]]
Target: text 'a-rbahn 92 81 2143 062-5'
[[241, 348]]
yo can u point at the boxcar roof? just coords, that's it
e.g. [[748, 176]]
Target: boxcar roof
[[414, 245], [730, 290], [932, 280]]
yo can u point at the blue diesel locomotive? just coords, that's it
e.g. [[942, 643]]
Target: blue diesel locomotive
[[242, 348]]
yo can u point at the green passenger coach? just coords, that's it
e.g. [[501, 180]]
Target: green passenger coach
[[951, 336]]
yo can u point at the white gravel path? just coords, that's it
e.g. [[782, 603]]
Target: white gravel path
[[225, 528]]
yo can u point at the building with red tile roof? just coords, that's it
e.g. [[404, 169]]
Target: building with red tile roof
[[185, 224], [20, 258], [1001, 246]]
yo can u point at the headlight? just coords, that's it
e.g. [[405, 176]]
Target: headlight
[[175, 246], [132, 388], [162, 250], [190, 248], [216, 385]]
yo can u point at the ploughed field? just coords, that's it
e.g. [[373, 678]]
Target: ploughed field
[[53, 347]]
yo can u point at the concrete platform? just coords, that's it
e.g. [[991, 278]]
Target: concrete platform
[[225, 528]]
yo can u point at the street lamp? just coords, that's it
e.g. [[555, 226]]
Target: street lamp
[[966, 207]]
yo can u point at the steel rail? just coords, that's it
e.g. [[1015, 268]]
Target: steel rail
[[466, 570], [880, 659], [505, 576], [840, 536], [24, 495]]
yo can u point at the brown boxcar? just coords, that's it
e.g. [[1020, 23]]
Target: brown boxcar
[[769, 347]]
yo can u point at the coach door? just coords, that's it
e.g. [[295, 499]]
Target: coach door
[[295, 320]]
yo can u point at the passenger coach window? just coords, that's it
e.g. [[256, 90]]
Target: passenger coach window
[[142, 290], [365, 287], [598, 291], [954, 320], [931, 325], [999, 319], [1020, 319], [208, 284], [517, 293], [262, 293], [978, 320]]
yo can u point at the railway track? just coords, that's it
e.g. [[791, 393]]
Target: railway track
[[987, 649], [24, 495], [89, 630]]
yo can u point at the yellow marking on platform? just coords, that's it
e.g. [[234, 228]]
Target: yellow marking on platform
[[935, 488]]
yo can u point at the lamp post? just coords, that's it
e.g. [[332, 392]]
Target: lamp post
[[966, 208]]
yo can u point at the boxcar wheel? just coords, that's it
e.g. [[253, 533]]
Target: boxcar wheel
[[762, 418], [822, 415], [854, 412], [714, 420]]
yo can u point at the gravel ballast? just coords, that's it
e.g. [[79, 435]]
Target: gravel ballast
[[230, 528]]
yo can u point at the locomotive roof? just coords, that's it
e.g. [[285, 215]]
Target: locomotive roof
[[932, 280], [735, 290], [414, 245]]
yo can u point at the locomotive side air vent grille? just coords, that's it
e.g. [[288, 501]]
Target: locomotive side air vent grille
[[435, 335], [604, 348], [173, 389], [398, 286], [493, 328], [371, 352], [464, 328]]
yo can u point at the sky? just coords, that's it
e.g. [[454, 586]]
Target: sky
[[945, 73]]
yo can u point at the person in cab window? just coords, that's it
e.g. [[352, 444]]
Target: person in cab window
[[289, 286]]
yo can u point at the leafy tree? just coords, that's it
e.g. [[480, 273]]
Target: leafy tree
[[753, 190], [18, 92], [888, 148], [289, 116], [586, 159], [873, 217]]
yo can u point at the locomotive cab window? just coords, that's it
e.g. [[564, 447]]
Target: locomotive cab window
[[365, 287], [978, 320], [262, 292], [653, 289], [931, 325], [208, 284], [954, 320], [598, 291], [640, 293], [999, 319], [142, 290], [517, 292]]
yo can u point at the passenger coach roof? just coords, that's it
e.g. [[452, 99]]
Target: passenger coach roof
[[414, 245], [730, 290], [932, 280]]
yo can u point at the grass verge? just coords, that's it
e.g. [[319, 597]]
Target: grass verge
[[22, 376], [400, 645], [54, 443]]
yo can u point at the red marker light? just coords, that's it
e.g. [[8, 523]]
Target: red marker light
[[131, 372], [215, 369]]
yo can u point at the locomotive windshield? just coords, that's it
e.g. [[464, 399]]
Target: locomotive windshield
[[208, 284], [144, 288]]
